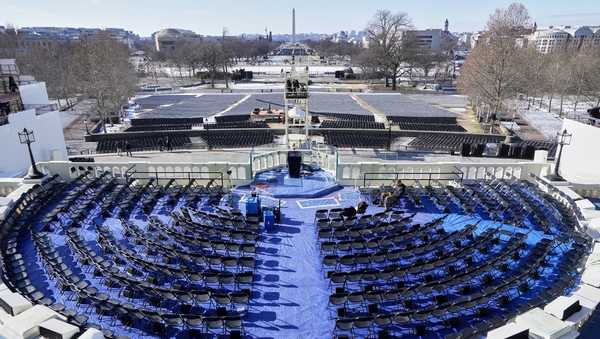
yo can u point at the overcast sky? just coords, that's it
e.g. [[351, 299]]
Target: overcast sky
[[252, 16]]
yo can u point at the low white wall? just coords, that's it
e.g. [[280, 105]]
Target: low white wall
[[240, 173], [49, 145], [353, 173], [580, 163], [34, 94]]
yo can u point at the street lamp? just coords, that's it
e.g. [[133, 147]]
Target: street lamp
[[564, 138], [27, 137], [389, 137]]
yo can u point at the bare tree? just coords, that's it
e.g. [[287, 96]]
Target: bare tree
[[212, 59], [367, 61], [426, 60], [533, 65], [329, 48], [179, 56], [105, 75], [583, 76], [512, 20], [388, 40], [491, 73], [556, 76], [52, 63], [191, 56], [593, 93]]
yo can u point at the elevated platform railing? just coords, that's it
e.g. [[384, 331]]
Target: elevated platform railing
[[323, 155], [225, 172], [392, 178], [188, 177], [354, 173]]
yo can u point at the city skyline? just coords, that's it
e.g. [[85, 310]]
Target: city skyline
[[210, 19]]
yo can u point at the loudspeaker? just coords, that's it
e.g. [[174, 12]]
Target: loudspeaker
[[294, 159], [477, 150], [515, 152], [528, 152], [503, 151], [465, 150]]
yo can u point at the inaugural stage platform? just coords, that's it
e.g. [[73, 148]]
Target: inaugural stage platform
[[311, 184]]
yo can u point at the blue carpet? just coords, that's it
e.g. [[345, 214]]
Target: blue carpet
[[291, 292]]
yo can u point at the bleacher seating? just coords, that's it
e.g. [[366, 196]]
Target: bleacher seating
[[450, 142], [233, 138], [412, 126], [237, 125], [232, 118], [356, 138], [166, 121], [345, 116], [143, 128], [423, 120], [352, 124], [141, 143], [79, 249]]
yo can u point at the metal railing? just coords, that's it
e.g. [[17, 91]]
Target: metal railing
[[131, 173], [437, 176], [567, 201]]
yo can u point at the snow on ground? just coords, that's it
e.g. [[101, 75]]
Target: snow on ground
[[550, 123], [265, 69]]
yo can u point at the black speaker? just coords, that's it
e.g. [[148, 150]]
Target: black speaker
[[503, 150], [465, 150], [515, 152], [477, 150], [528, 152], [294, 159]]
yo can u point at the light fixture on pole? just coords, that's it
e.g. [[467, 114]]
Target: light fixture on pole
[[27, 137], [564, 138]]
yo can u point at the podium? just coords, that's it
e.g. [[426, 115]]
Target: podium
[[294, 159]]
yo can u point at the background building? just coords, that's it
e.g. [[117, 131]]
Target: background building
[[547, 40], [434, 39], [25, 104], [167, 39], [46, 35]]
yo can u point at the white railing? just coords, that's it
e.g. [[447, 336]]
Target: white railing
[[240, 172], [322, 155], [346, 173], [354, 173], [268, 160], [325, 156]]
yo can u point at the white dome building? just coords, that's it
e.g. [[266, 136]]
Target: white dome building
[[166, 39], [546, 40]]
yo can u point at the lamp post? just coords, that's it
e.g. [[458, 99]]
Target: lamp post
[[27, 137], [564, 138], [390, 137]]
